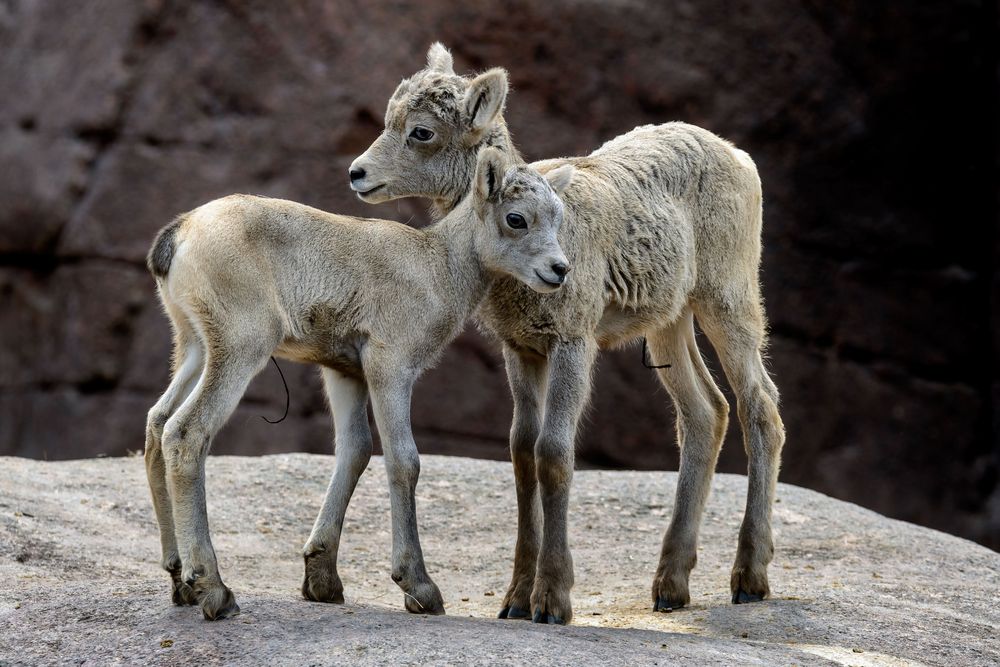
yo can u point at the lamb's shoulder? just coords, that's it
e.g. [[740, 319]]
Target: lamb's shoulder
[[641, 243], [375, 285]]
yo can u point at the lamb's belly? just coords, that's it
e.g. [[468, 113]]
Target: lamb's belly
[[642, 295], [341, 354], [619, 326]]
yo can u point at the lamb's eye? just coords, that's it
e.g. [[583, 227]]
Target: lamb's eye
[[421, 134], [516, 221]]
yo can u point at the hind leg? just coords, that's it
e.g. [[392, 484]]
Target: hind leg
[[702, 416], [186, 441], [188, 362], [348, 399], [737, 333]]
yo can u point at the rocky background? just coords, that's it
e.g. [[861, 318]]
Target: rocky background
[[873, 125]]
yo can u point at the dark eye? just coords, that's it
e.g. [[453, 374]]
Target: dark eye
[[421, 134], [516, 221]]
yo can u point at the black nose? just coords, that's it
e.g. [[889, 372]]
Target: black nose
[[357, 174], [560, 269]]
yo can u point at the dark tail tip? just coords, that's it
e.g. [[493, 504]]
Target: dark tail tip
[[162, 253]]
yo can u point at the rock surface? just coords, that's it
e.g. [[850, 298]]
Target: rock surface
[[880, 252], [79, 558]]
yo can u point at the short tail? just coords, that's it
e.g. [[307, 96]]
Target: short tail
[[162, 253]]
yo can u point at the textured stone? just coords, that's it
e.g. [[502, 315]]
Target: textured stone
[[80, 559], [68, 71], [43, 177], [69, 326]]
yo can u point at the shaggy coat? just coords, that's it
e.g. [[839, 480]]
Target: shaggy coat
[[663, 225]]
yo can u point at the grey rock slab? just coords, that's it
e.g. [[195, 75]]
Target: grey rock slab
[[79, 566]]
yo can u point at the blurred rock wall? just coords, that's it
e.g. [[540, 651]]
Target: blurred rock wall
[[873, 125]]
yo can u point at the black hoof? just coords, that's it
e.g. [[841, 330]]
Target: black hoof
[[425, 600], [219, 604], [430, 609], [740, 596], [665, 605], [227, 612], [547, 619], [321, 582], [323, 590], [513, 613]]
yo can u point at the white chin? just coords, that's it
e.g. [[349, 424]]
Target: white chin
[[373, 197], [543, 287]]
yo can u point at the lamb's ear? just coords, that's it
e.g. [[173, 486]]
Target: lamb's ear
[[439, 59], [401, 89], [490, 168], [485, 98], [560, 178]]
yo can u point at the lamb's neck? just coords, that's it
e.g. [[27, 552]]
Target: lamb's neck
[[465, 276], [498, 137]]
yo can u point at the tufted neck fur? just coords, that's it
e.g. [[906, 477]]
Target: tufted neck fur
[[498, 137]]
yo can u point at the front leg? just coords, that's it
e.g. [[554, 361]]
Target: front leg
[[570, 365], [391, 390], [526, 372], [348, 398]]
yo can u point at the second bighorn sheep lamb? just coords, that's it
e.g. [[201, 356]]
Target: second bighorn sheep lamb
[[373, 302], [663, 226]]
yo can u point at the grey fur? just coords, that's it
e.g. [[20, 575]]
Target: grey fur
[[374, 302], [663, 225]]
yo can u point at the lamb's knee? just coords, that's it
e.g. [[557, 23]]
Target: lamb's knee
[[523, 434], [156, 419], [717, 401], [183, 444], [759, 412], [353, 450], [522, 445], [719, 407], [553, 463], [721, 421], [706, 412], [404, 469], [358, 461]]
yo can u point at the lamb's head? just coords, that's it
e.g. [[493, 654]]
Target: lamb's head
[[435, 124], [519, 213]]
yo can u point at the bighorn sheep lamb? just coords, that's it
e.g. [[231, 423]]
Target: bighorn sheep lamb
[[663, 225], [373, 302]]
